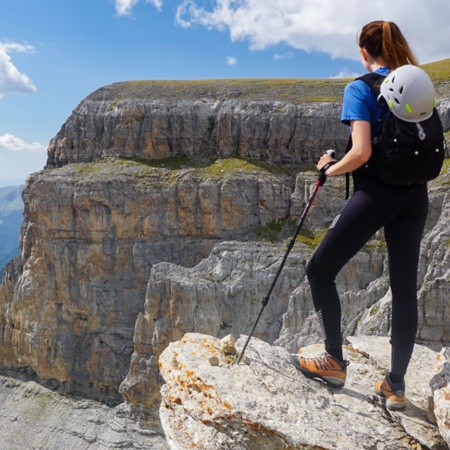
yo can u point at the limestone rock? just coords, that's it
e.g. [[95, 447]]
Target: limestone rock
[[228, 345], [435, 267], [156, 120], [269, 120], [90, 237], [35, 417], [220, 296], [110, 225], [264, 403], [440, 387]]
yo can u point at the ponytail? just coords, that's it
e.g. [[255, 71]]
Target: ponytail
[[385, 40]]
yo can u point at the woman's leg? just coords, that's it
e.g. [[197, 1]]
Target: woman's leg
[[403, 237], [365, 213]]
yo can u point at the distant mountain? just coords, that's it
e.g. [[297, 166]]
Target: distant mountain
[[11, 212]]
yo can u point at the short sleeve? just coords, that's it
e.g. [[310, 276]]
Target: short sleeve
[[355, 105]]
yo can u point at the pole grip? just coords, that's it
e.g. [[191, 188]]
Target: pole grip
[[322, 176]]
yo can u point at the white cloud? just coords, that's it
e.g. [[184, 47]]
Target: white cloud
[[124, 7], [12, 144], [11, 79], [18, 159], [156, 3], [183, 10], [231, 60], [321, 25], [346, 73], [287, 55]]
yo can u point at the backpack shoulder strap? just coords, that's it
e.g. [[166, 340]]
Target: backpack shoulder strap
[[347, 174], [373, 80]]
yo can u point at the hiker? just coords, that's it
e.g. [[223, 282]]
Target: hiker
[[401, 210]]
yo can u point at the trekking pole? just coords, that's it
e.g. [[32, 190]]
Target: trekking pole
[[320, 182]]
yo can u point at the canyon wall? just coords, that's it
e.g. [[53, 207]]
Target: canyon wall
[[142, 182]]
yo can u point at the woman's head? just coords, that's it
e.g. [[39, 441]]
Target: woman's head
[[384, 40]]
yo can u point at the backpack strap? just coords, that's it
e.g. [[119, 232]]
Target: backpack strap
[[347, 174], [373, 80]]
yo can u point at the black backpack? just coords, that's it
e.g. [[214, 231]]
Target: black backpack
[[404, 153]]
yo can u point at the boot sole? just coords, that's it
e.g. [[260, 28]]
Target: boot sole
[[392, 406]]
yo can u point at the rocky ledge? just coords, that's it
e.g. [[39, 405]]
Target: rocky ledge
[[210, 402]]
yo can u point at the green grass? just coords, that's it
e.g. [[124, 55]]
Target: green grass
[[272, 232], [214, 168], [284, 229], [311, 240], [171, 167], [270, 90], [283, 90], [439, 72]]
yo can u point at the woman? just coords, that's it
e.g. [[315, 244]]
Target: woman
[[401, 210]]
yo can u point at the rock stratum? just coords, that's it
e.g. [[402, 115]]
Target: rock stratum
[[164, 209]]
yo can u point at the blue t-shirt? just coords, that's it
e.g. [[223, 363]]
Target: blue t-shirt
[[360, 104]]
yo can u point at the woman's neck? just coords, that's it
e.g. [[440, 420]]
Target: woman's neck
[[376, 65]]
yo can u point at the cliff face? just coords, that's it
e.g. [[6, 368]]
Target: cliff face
[[151, 120], [116, 241], [89, 240]]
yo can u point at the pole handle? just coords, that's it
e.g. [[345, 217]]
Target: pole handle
[[322, 176]]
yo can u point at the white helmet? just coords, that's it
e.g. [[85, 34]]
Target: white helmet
[[409, 92]]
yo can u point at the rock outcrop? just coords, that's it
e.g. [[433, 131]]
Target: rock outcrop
[[35, 417], [270, 120], [440, 386], [164, 209], [89, 241], [223, 295], [264, 403]]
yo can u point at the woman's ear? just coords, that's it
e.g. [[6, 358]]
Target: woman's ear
[[363, 54]]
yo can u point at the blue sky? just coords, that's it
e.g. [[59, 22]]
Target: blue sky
[[53, 53]]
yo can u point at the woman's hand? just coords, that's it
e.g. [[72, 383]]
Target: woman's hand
[[325, 159]]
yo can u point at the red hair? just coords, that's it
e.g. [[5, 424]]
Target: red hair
[[385, 40]]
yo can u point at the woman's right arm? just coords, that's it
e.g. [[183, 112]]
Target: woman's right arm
[[358, 155]]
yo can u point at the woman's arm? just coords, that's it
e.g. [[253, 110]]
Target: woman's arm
[[359, 153]]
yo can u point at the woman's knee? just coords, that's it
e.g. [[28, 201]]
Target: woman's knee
[[310, 269], [313, 272], [319, 274]]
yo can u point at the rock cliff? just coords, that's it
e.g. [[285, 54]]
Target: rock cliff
[[264, 403], [275, 121], [163, 210], [35, 417]]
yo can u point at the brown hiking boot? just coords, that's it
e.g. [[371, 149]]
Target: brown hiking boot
[[325, 367], [393, 392]]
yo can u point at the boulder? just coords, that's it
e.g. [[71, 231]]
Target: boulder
[[440, 387], [265, 403]]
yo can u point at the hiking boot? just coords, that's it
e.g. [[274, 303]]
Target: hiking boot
[[325, 367], [393, 392]]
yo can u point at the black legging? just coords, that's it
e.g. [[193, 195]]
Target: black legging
[[402, 210]]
